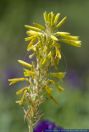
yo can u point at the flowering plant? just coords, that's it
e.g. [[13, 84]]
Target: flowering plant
[[44, 44]]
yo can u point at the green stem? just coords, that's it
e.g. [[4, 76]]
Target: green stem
[[30, 128]]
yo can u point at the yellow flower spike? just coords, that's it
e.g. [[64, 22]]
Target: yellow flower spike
[[23, 63], [33, 28], [61, 22], [16, 80], [44, 42], [56, 18]]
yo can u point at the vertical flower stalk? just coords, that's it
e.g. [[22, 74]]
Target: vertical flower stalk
[[44, 44]]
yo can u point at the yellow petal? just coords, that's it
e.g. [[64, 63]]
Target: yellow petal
[[56, 18], [22, 100], [61, 22], [50, 82], [60, 89], [45, 16], [20, 91], [32, 28], [54, 38], [49, 91], [39, 26], [52, 18], [32, 42], [62, 33], [71, 42], [58, 75], [28, 73], [58, 54], [31, 32], [23, 63], [16, 80], [53, 99], [19, 102], [29, 38]]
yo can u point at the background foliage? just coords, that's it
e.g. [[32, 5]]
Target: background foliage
[[73, 111]]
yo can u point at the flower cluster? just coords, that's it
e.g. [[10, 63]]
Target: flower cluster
[[44, 43]]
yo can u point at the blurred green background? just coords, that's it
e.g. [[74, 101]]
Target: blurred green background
[[73, 111]]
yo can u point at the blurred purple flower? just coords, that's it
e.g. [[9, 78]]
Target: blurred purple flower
[[9, 73], [73, 79], [45, 125]]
